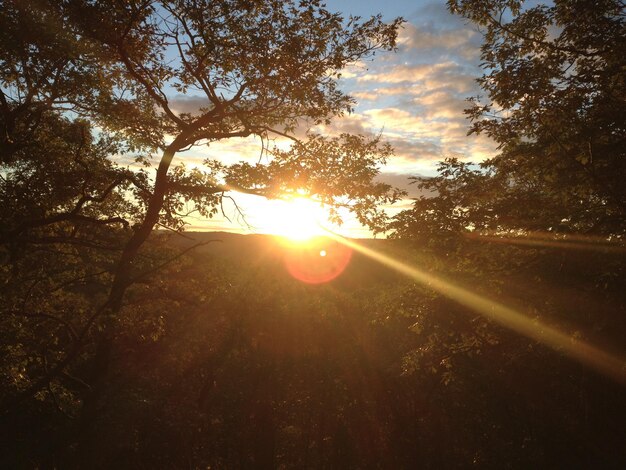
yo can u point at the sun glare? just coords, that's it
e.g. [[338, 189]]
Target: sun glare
[[298, 219]]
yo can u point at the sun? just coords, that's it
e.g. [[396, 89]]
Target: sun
[[298, 219]]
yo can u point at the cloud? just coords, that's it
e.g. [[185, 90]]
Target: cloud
[[417, 78], [441, 103], [417, 96], [189, 104], [414, 97], [401, 122], [406, 73], [227, 151], [430, 38], [401, 181]]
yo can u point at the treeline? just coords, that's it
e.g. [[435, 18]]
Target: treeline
[[225, 361]]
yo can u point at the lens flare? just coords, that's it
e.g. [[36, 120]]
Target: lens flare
[[317, 261], [612, 366]]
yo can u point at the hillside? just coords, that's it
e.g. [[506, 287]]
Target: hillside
[[266, 251]]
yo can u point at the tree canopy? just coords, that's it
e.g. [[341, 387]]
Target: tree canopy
[[85, 86], [555, 89]]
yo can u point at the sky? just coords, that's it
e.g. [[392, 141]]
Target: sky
[[414, 97]]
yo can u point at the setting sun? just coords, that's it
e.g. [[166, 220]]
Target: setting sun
[[298, 219]]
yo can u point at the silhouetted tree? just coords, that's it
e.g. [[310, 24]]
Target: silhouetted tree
[[540, 227], [554, 79], [75, 224]]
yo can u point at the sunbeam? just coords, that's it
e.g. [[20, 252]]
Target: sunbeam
[[608, 364], [550, 240]]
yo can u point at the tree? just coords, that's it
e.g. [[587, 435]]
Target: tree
[[540, 226], [263, 69], [554, 80]]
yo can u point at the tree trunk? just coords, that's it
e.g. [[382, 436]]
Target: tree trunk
[[101, 362]]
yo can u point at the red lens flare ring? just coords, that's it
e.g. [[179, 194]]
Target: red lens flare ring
[[318, 260]]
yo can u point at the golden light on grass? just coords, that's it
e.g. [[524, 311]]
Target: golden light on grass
[[592, 356]]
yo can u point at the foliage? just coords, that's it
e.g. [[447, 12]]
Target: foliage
[[539, 227], [555, 88], [247, 367], [87, 85]]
